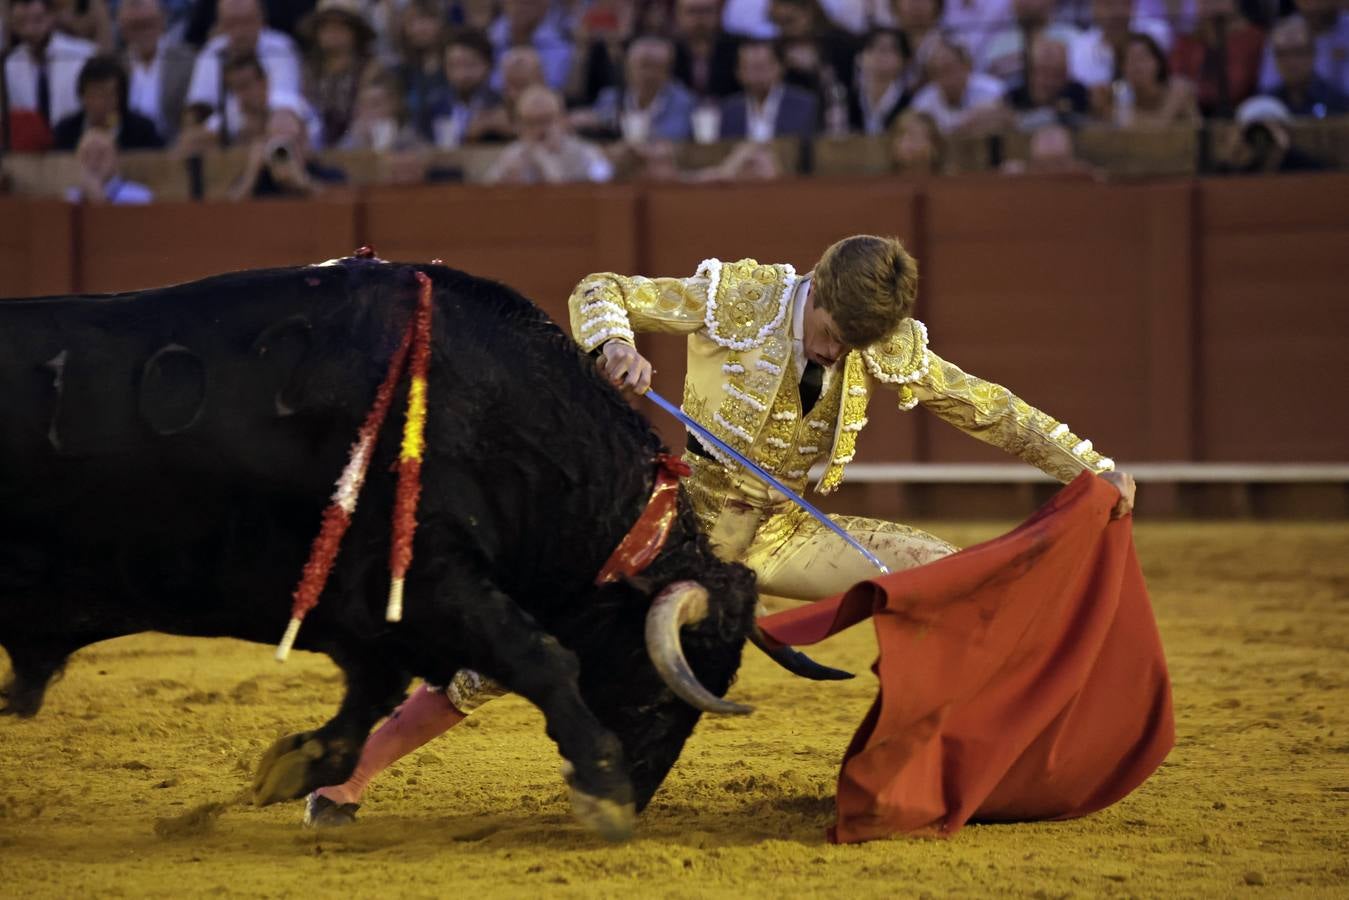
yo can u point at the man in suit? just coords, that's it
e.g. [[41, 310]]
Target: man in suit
[[102, 92], [767, 108], [652, 106], [159, 67], [41, 70], [470, 110], [705, 55]]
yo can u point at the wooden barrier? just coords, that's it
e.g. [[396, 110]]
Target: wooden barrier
[[1053, 289], [538, 241], [128, 247], [855, 155], [1271, 365], [1135, 153], [37, 248]]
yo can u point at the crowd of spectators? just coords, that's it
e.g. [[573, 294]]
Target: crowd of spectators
[[576, 90]]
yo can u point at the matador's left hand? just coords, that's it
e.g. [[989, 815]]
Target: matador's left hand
[[1124, 483]]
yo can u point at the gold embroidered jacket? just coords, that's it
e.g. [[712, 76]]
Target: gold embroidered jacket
[[742, 381]]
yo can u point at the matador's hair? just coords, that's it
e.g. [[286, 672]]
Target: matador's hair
[[868, 285]]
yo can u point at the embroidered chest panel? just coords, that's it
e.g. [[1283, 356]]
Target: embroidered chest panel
[[792, 443], [747, 386]]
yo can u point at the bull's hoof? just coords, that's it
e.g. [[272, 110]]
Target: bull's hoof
[[320, 812], [613, 821], [283, 772], [23, 704]]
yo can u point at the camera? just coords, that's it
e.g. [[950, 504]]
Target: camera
[[279, 152]]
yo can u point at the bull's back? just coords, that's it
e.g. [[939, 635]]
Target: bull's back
[[152, 385]]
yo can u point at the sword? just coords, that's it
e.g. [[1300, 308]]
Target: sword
[[772, 482]]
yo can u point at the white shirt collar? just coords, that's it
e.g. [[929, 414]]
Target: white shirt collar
[[874, 118], [153, 64], [761, 119], [799, 324], [651, 109]]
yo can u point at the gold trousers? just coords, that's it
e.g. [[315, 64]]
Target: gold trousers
[[797, 557], [792, 554]]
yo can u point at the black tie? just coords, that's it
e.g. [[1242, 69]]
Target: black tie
[[812, 379], [44, 94]]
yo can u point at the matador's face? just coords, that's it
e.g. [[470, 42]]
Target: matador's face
[[819, 334]]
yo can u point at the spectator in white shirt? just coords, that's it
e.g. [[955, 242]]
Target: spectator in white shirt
[[252, 100], [1096, 56], [240, 30], [956, 97], [1006, 55], [42, 70], [159, 67], [545, 152]]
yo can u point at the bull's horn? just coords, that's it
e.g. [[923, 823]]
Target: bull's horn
[[682, 603], [794, 660]]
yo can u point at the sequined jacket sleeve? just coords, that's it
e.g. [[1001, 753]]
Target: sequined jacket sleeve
[[987, 411], [606, 306], [996, 416]]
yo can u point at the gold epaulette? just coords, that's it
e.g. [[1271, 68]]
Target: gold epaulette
[[901, 359], [746, 301]]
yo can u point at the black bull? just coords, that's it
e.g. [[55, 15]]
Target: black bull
[[165, 457]]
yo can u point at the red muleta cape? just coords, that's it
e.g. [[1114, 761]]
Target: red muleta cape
[[1020, 679]]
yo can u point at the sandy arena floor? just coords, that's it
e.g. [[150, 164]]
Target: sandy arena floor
[[109, 791]]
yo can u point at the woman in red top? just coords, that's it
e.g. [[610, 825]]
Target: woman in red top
[[1223, 43]]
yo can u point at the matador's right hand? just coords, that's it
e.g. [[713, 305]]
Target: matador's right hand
[[627, 369]]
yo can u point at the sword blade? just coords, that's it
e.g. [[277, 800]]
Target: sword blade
[[693, 425]]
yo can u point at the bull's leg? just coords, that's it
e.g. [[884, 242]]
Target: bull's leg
[[35, 664], [299, 763], [510, 646]]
